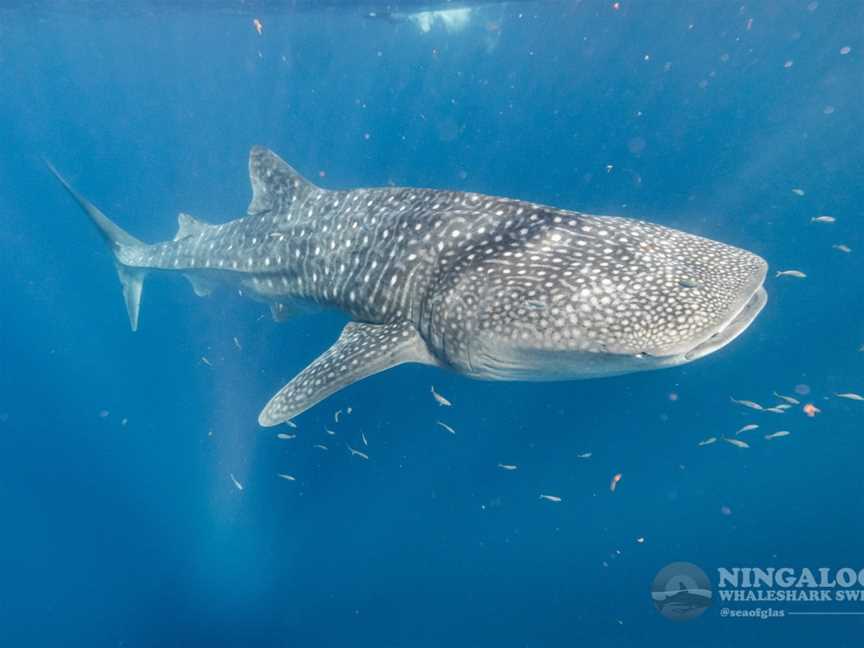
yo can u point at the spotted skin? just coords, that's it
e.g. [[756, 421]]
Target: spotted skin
[[490, 287]]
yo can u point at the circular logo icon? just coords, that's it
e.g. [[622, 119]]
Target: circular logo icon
[[681, 591]]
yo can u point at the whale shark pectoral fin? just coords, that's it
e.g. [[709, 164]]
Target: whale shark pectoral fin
[[201, 286], [362, 350]]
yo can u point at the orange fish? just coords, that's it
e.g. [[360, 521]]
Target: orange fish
[[811, 410]]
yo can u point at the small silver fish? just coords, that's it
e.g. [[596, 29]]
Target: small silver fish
[[584, 455], [357, 453], [330, 432], [708, 441], [775, 410], [336, 415], [206, 361], [285, 437], [777, 435], [349, 410], [850, 396], [782, 406], [287, 477], [747, 428], [320, 446], [236, 483], [237, 344], [788, 399], [823, 219], [440, 399], [507, 466], [291, 424], [738, 443], [791, 273], [551, 498], [747, 403], [446, 427], [363, 436], [840, 247], [798, 192]]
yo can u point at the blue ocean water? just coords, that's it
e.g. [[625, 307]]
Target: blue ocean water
[[123, 527]]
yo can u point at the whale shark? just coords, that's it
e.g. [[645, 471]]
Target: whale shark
[[489, 287]]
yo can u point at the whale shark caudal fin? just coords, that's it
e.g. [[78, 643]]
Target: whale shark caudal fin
[[117, 239], [361, 351]]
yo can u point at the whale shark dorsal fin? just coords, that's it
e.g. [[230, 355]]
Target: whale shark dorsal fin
[[188, 226], [361, 351], [275, 184]]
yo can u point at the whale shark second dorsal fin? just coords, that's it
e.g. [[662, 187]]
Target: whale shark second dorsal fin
[[188, 226], [275, 184]]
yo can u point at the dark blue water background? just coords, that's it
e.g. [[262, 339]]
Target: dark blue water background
[[686, 114]]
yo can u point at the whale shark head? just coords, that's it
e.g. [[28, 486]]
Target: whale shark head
[[598, 295]]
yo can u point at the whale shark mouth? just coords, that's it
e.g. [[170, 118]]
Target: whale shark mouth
[[733, 328]]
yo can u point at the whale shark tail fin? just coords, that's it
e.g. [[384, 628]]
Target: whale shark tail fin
[[120, 242]]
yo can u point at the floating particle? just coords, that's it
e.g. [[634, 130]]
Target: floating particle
[[640, 540], [788, 64], [802, 389], [614, 483], [725, 510], [258, 25], [104, 413], [798, 192], [845, 50], [828, 110], [124, 422]]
